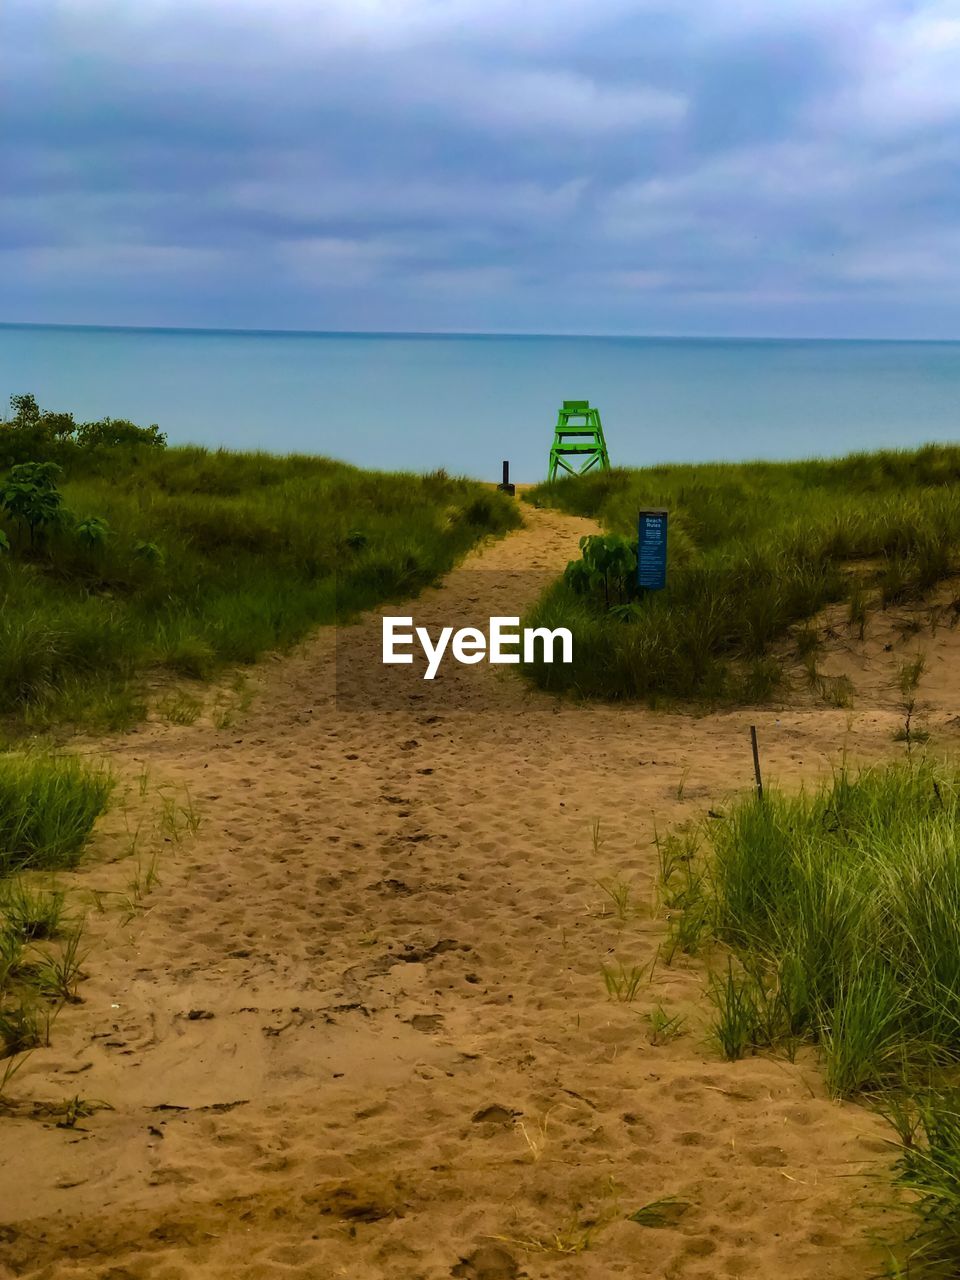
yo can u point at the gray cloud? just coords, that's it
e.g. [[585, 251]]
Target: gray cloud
[[614, 166]]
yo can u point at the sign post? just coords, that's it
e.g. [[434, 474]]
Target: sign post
[[652, 550]]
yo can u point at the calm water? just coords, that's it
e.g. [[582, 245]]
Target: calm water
[[465, 403]]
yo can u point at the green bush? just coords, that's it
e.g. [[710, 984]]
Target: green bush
[[31, 498]]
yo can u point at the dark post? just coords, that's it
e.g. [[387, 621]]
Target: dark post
[[507, 487], [756, 761]]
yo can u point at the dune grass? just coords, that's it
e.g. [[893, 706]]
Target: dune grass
[[929, 1167], [182, 560], [754, 548], [840, 909], [48, 805]]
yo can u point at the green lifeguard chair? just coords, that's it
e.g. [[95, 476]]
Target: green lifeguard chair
[[578, 435]]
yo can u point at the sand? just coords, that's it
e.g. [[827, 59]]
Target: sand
[[359, 1028]]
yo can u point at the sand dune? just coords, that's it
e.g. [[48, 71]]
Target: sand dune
[[359, 1029]]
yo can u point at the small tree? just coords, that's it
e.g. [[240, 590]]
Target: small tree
[[92, 531], [609, 563], [149, 552], [31, 496], [24, 410]]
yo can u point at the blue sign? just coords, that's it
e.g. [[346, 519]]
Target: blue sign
[[652, 550]]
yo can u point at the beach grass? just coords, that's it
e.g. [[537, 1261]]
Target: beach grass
[[183, 560], [839, 911], [754, 549], [31, 913], [48, 806]]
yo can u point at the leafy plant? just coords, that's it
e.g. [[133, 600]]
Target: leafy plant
[[631, 612], [71, 1110], [149, 552], [608, 562], [31, 497], [92, 531], [665, 1212]]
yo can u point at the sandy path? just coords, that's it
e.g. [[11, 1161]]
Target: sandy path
[[402, 1062]]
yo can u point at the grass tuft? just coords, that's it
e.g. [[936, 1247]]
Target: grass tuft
[[31, 914], [48, 805], [623, 983], [929, 1165]]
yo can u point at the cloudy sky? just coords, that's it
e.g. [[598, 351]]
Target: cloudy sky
[[768, 167]]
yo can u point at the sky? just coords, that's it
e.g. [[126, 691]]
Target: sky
[[780, 168]]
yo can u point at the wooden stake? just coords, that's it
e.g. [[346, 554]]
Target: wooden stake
[[756, 761]]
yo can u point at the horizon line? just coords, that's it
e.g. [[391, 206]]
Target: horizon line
[[448, 333]]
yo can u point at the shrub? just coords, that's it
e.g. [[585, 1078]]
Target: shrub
[[92, 531], [606, 571], [32, 434], [31, 497], [110, 432]]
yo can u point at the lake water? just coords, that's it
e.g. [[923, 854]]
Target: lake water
[[466, 402]]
